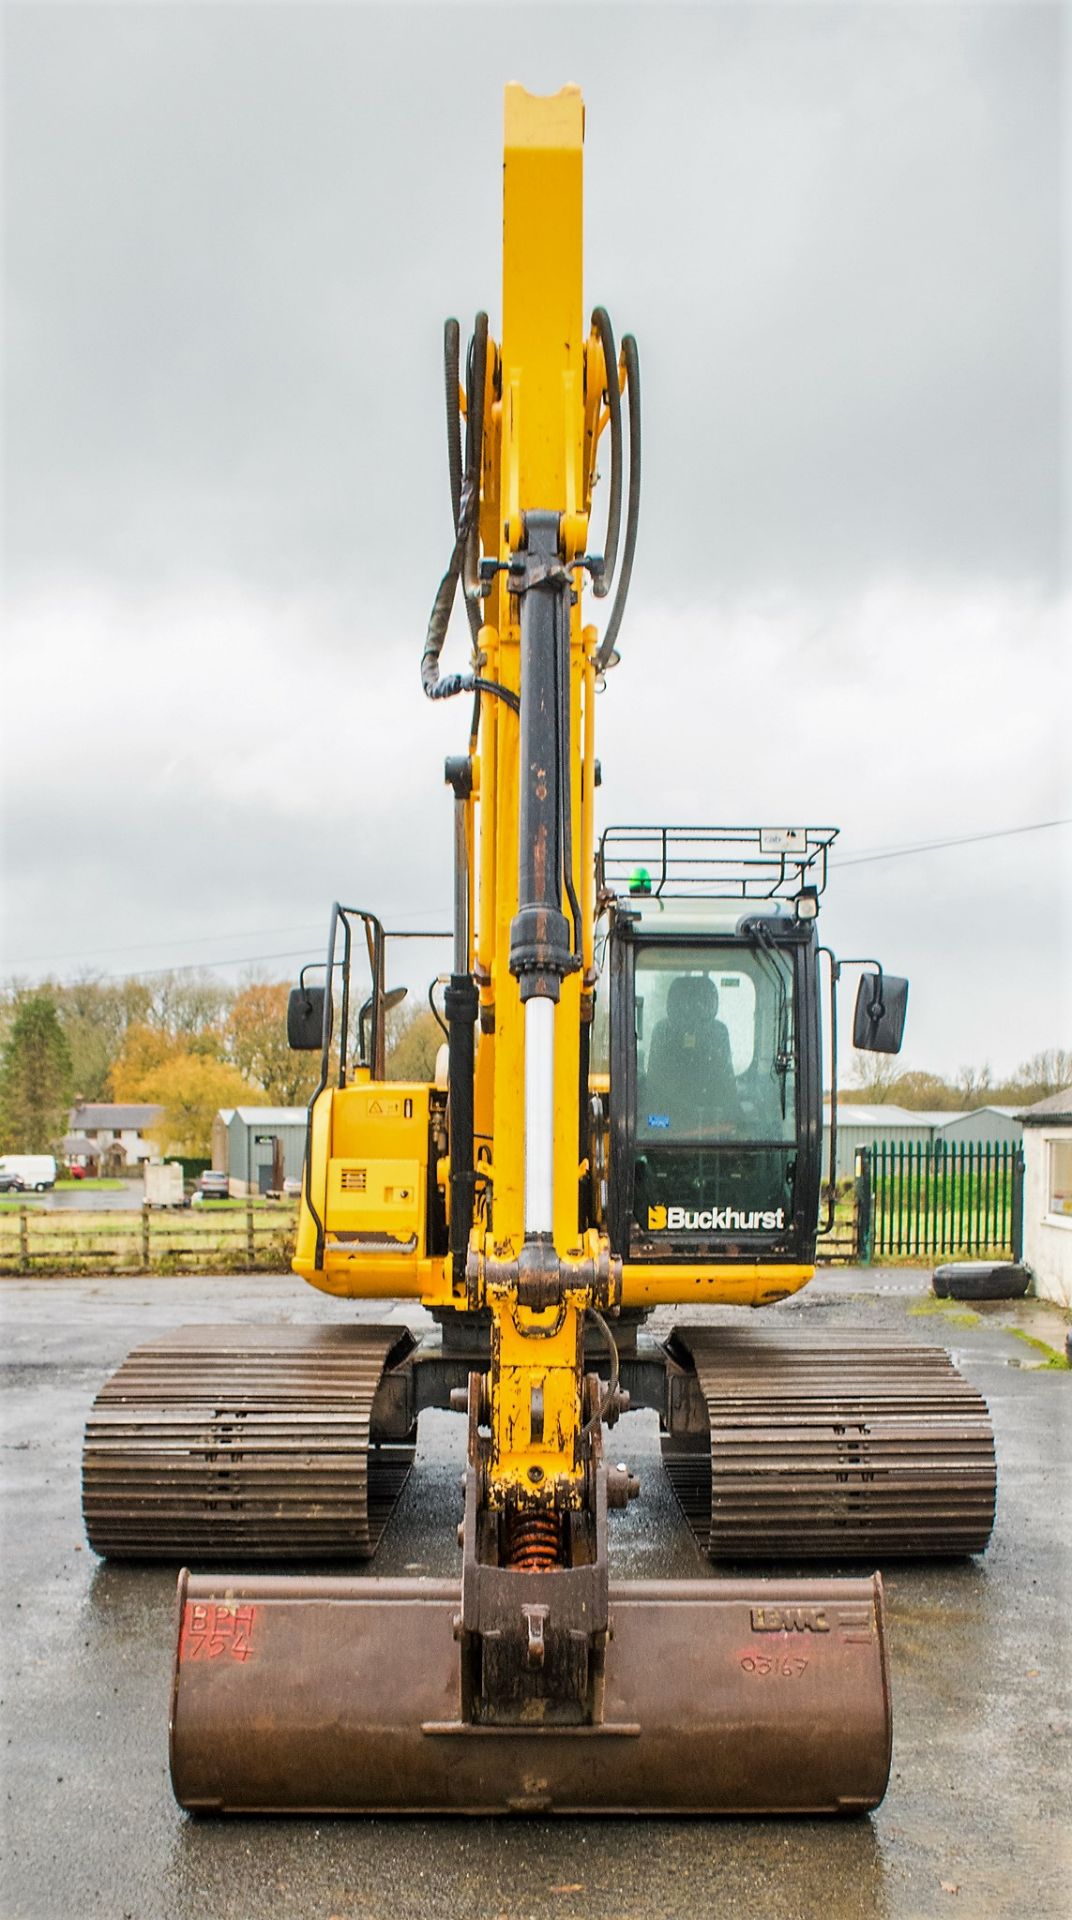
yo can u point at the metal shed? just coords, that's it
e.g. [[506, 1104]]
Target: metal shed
[[862, 1126], [264, 1147], [983, 1123]]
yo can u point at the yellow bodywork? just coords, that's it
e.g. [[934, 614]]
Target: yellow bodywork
[[368, 1174]]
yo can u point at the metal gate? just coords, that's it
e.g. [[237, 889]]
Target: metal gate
[[915, 1201]]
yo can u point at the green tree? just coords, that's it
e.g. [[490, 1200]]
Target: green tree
[[257, 1043], [193, 1008], [1044, 1074], [873, 1075], [919, 1090], [974, 1087], [95, 1016], [144, 1048], [35, 1078], [414, 1037], [192, 1088]]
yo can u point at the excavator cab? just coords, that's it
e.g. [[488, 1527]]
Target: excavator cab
[[707, 1044]]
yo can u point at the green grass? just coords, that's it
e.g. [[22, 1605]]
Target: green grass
[[255, 1200], [1053, 1360], [956, 1316]]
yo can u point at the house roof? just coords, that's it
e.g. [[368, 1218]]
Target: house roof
[[118, 1118], [1057, 1107], [272, 1116]]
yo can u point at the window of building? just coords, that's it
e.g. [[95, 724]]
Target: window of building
[[1059, 1199]]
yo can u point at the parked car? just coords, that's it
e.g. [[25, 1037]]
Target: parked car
[[11, 1183], [210, 1185], [75, 1173]]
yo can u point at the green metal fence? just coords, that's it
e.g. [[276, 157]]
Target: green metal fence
[[916, 1201]]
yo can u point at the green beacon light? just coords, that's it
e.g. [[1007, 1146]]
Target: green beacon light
[[640, 880]]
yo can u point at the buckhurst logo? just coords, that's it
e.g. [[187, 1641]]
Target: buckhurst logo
[[789, 1620], [714, 1220]]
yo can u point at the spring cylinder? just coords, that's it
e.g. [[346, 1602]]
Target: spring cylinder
[[533, 1541]]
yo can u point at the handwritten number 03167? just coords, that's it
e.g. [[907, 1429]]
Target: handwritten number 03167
[[790, 1667]]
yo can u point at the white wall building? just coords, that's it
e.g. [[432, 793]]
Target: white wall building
[[102, 1134], [1048, 1196]]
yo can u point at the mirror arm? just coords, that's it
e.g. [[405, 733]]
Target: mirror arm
[[878, 1004], [325, 1052], [826, 1225]]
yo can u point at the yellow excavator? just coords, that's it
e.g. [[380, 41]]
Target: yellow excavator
[[627, 1113]]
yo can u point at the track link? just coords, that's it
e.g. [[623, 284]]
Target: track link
[[243, 1443], [839, 1446]]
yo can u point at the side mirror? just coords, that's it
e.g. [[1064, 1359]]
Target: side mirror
[[305, 1019], [878, 1022]]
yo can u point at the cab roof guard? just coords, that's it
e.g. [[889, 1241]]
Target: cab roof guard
[[721, 863]]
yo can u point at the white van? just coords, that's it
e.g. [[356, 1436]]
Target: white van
[[37, 1171]]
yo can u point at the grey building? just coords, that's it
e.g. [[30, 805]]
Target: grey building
[[864, 1126], [983, 1125], [259, 1147]]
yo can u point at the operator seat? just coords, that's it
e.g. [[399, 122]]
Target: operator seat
[[690, 1069]]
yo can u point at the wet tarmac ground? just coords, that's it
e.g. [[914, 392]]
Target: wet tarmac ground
[[975, 1822]]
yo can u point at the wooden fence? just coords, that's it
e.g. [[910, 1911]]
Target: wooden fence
[[243, 1240]]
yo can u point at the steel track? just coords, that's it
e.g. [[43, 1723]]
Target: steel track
[[243, 1443], [840, 1445]]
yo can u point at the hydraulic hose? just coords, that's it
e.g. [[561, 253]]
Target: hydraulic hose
[[451, 364], [475, 377], [631, 363], [565, 762], [465, 508], [601, 323]]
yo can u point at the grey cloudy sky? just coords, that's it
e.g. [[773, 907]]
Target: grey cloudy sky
[[231, 235]]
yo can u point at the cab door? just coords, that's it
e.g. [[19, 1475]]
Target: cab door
[[714, 1097]]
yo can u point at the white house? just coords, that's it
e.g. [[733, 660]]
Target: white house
[[102, 1135], [1048, 1196]]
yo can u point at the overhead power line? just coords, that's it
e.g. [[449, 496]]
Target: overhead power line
[[255, 959], [221, 960], [297, 953], [962, 840], [149, 946]]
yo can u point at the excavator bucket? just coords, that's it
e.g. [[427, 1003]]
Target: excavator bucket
[[342, 1695]]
